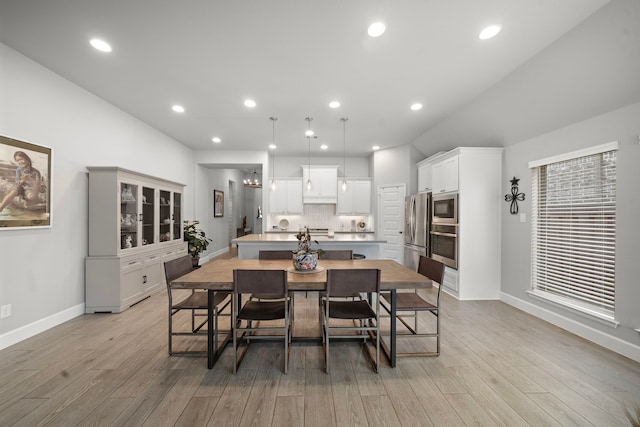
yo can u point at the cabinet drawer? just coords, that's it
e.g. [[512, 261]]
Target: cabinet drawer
[[130, 264]]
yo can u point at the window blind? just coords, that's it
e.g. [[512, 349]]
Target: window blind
[[574, 226]]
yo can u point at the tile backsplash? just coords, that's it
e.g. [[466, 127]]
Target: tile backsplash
[[321, 216]]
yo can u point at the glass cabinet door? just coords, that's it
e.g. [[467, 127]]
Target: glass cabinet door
[[129, 214], [148, 216], [165, 216], [177, 216]]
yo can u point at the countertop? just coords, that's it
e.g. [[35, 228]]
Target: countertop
[[291, 237], [335, 231]]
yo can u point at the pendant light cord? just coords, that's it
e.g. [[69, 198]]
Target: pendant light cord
[[273, 153], [308, 119], [344, 152]]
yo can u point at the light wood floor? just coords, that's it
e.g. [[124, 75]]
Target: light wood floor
[[498, 366]]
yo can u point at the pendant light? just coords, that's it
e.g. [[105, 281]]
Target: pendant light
[[344, 153], [308, 134], [273, 153]]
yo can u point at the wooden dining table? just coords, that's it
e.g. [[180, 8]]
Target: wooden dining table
[[218, 276]]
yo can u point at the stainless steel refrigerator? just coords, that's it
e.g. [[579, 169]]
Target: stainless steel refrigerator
[[417, 215]]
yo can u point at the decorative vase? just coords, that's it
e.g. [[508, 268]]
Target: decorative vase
[[305, 261]]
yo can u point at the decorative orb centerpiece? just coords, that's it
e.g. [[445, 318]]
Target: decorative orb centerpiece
[[305, 261]]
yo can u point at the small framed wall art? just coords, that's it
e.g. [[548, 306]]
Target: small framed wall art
[[25, 184], [218, 203]]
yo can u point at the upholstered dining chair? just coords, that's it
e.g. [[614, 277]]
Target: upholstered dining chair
[[365, 317], [409, 304], [249, 318], [195, 303]]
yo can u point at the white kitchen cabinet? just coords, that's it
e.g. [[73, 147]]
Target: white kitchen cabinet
[[425, 177], [324, 184], [356, 199], [286, 198], [135, 223], [476, 173], [445, 176]]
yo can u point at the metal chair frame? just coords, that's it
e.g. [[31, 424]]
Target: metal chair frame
[[414, 303], [196, 302], [253, 312], [366, 319]]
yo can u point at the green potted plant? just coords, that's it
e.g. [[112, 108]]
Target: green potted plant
[[197, 241]]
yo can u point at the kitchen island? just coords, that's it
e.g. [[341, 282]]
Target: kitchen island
[[360, 243]]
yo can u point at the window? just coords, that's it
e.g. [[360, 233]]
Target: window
[[574, 227]]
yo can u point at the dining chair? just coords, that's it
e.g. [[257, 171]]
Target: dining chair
[[409, 304], [196, 302], [249, 318], [275, 255], [337, 254], [367, 318]]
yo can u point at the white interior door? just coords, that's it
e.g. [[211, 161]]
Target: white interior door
[[391, 214]]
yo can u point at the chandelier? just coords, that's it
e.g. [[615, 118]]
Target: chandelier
[[253, 181]]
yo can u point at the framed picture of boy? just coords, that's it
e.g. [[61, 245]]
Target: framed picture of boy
[[218, 203], [25, 184]]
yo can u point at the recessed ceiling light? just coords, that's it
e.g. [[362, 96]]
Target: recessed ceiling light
[[334, 104], [324, 146], [489, 32], [308, 132], [375, 147], [272, 146], [249, 103], [101, 45], [376, 29], [178, 108], [417, 106], [216, 140]]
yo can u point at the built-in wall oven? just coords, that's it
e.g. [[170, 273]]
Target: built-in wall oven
[[444, 229], [444, 244]]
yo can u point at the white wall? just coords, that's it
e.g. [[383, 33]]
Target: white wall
[[392, 167], [42, 270], [291, 166], [621, 125]]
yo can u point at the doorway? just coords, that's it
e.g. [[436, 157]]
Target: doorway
[[391, 220], [232, 218]]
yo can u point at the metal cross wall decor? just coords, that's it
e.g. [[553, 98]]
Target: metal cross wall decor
[[514, 196]]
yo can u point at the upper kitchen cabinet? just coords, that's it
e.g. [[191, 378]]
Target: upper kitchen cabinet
[[287, 197], [425, 178], [425, 172], [445, 176], [356, 200], [324, 184]]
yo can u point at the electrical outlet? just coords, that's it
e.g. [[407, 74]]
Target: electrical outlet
[[523, 217], [5, 311]]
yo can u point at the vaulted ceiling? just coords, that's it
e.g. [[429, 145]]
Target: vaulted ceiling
[[292, 58]]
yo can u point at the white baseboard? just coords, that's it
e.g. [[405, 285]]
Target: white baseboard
[[610, 342], [213, 255], [27, 331]]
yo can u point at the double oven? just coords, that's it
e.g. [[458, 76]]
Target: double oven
[[444, 229]]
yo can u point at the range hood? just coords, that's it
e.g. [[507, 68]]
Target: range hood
[[320, 201]]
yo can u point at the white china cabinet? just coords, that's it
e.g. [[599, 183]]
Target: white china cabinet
[[135, 224]]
